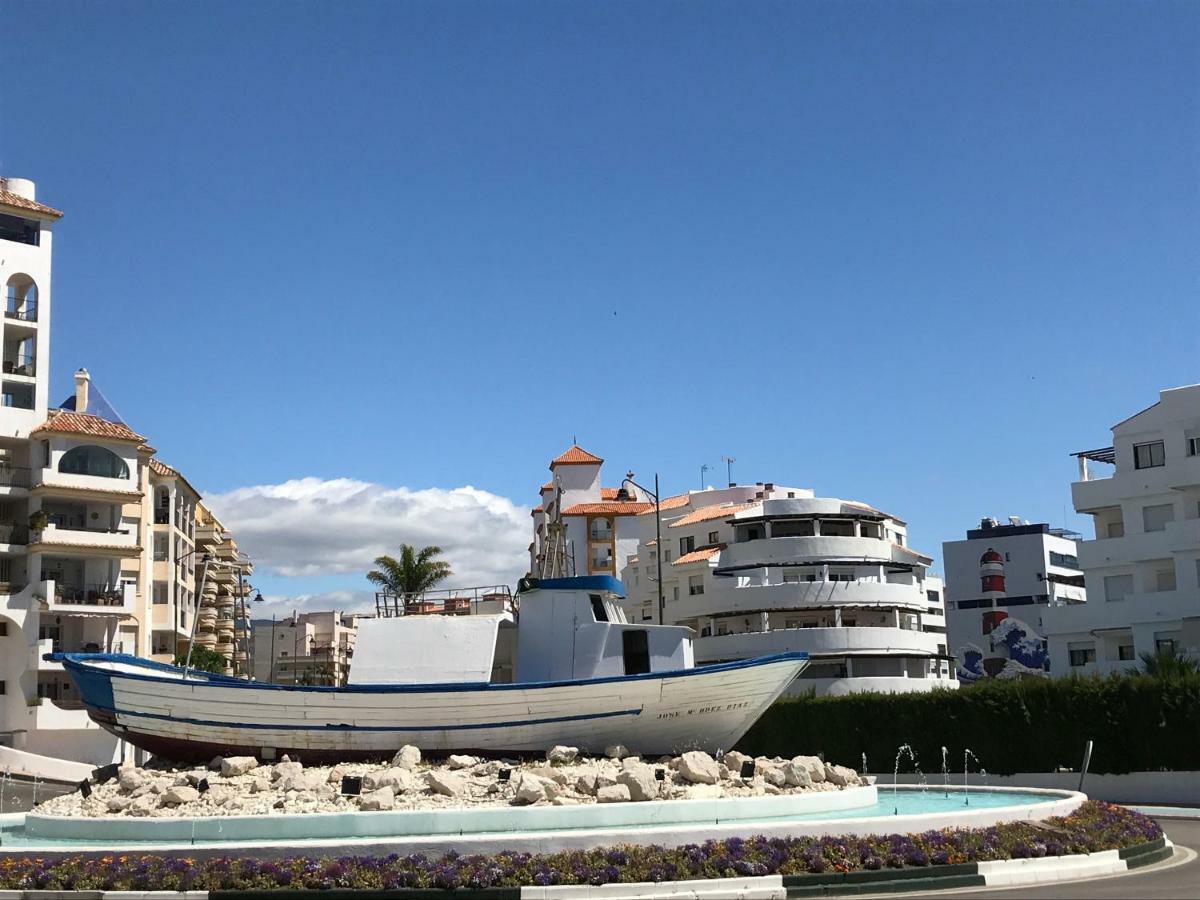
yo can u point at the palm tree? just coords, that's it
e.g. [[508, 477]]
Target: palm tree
[[1168, 663], [415, 571]]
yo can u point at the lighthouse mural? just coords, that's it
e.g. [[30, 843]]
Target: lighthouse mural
[[1014, 648]]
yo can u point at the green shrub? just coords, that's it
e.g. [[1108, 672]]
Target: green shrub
[[1138, 723]]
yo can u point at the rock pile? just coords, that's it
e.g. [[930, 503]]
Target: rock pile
[[241, 785]]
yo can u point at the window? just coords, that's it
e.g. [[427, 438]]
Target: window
[[160, 593], [1125, 652], [1065, 560], [3, 689], [686, 545], [1081, 654], [841, 576], [598, 609], [1155, 518], [1193, 446], [1148, 456], [696, 585], [934, 596], [91, 460], [675, 592], [1164, 645], [1164, 579], [3, 629], [792, 528], [839, 528], [1116, 587], [713, 537], [23, 231], [635, 646], [601, 530], [160, 548]]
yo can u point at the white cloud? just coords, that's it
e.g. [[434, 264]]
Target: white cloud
[[314, 527]]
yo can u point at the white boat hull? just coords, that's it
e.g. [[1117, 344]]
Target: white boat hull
[[153, 707]]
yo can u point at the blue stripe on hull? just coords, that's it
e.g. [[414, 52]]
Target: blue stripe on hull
[[347, 729]]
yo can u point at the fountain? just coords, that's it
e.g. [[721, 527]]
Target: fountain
[[912, 755], [945, 773], [3, 785], [864, 764], [967, 755]]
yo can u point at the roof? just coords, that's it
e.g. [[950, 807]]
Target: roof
[[548, 486], [704, 553], [164, 471], [904, 549], [608, 493], [610, 508], [575, 456], [1103, 454], [705, 513], [8, 198], [853, 507], [64, 422], [671, 502]]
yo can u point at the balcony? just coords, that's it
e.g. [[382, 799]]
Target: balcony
[[94, 599], [724, 597], [1126, 550], [818, 641], [13, 534], [123, 539], [1160, 609], [162, 517], [786, 550], [25, 312], [13, 477], [25, 366]]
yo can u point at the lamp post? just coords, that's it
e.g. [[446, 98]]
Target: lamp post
[[624, 494]]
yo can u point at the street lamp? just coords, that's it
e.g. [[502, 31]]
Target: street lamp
[[623, 494]]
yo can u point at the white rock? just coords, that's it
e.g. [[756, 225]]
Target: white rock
[[560, 755], [260, 785], [840, 775], [214, 764], [407, 757], [734, 760], [550, 773], [302, 782], [816, 768], [796, 775], [131, 779], [703, 792], [699, 768], [180, 794], [460, 761], [616, 751], [232, 766], [284, 769], [774, 776], [143, 805], [118, 803], [381, 799], [445, 783], [564, 801], [613, 793], [641, 782], [586, 783], [530, 789], [398, 779]]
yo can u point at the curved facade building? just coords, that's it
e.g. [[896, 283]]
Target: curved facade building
[[761, 569]]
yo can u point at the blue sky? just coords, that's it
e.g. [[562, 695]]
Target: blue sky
[[909, 253]]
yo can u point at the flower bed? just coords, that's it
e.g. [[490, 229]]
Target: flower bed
[[1093, 827]]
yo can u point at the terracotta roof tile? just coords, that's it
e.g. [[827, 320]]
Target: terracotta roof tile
[[548, 486], [628, 508], [679, 500], [8, 198], [575, 456], [705, 513], [700, 555], [608, 493], [81, 423]]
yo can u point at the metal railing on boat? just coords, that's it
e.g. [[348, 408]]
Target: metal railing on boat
[[485, 600]]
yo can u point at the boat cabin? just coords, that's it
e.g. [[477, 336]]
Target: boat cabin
[[565, 629]]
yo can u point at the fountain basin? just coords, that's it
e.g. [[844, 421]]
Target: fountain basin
[[862, 810]]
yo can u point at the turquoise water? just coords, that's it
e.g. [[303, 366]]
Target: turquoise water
[[907, 801]]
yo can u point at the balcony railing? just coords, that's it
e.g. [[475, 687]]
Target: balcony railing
[[90, 595], [453, 602], [61, 646], [14, 476], [28, 314], [162, 517], [11, 533]]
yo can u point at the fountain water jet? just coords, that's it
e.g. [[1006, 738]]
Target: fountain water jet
[[966, 793], [945, 773], [912, 755]]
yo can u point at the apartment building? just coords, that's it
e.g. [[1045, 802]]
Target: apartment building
[[1142, 568], [96, 542], [599, 524], [223, 622], [999, 581], [306, 648]]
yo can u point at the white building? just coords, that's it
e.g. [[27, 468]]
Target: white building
[[305, 648], [1142, 569], [599, 521], [762, 569], [999, 581]]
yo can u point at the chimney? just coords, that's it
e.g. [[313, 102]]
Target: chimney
[[22, 187], [82, 379]]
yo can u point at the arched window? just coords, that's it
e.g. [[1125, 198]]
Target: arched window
[[90, 460], [21, 301]]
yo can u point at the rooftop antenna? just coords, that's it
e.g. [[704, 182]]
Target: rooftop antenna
[[729, 461], [703, 469]]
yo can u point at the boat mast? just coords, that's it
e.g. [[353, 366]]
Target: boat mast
[[556, 563]]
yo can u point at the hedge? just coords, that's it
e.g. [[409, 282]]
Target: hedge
[[1138, 723]]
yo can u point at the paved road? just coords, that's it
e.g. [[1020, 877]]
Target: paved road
[[1160, 882]]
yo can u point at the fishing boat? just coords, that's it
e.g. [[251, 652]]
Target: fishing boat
[[563, 667]]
